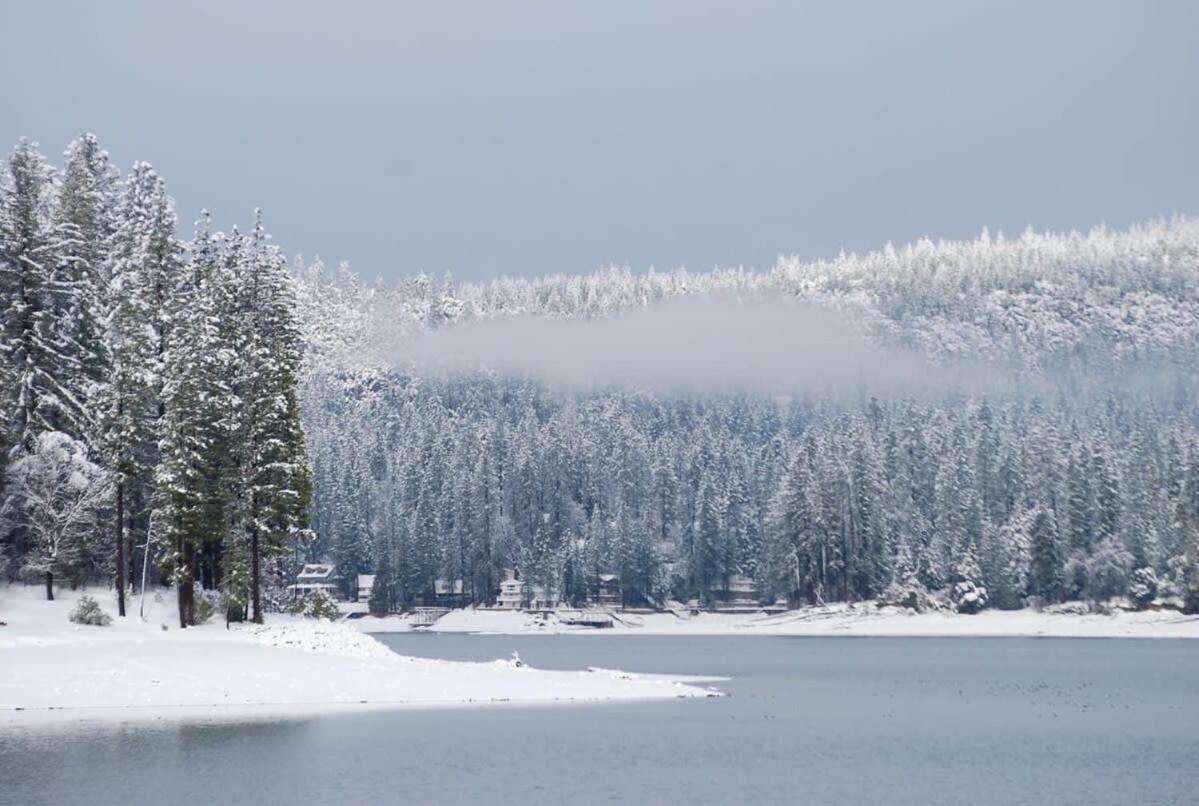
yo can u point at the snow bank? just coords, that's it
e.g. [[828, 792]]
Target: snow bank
[[54, 671], [860, 620]]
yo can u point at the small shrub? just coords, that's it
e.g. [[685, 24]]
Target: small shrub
[[316, 604], [276, 599], [906, 592], [88, 611], [968, 597], [1036, 603], [207, 603], [234, 608]]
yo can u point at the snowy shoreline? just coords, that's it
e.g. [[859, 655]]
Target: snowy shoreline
[[862, 620], [53, 672]]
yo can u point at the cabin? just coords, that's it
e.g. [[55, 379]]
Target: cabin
[[449, 593], [512, 594], [366, 584], [317, 577], [737, 594], [608, 593]]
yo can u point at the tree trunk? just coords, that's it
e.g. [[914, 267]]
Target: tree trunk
[[121, 548], [255, 576], [181, 600], [49, 586], [189, 588], [185, 585]]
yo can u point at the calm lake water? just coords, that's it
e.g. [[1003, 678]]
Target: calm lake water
[[808, 720]]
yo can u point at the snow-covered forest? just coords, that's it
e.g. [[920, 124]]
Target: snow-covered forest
[[239, 418], [1081, 482], [149, 389]]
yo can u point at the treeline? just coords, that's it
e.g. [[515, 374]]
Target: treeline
[[420, 480], [1089, 492], [149, 388]]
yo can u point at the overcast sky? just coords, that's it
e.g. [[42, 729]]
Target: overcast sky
[[487, 138]]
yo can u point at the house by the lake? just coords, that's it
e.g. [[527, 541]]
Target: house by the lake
[[449, 593], [608, 592], [317, 577], [736, 593], [512, 593], [366, 584]]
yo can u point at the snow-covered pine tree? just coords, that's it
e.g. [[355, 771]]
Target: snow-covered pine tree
[[38, 361], [276, 484], [144, 258], [1045, 577], [83, 220], [191, 482]]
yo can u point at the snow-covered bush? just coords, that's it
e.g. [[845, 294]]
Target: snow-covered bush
[[206, 603], [1173, 584], [1036, 603], [88, 611], [906, 589], [1142, 588], [234, 608], [1107, 570], [967, 593], [1075, 578], [316, 604], [968, 597], [277, 599], [907, 592]]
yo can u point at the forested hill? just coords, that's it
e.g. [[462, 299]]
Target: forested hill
[[193, 396], [421, 476], [1107, 297]]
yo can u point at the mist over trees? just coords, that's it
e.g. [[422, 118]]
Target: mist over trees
[[1077, 478], [149, 388]]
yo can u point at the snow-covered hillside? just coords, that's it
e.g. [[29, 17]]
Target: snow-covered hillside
[[1073, 475]]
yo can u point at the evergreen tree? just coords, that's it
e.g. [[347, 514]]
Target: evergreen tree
[[276, 484], [144, 257], [1046, 557], [38, 361], [83, 221]]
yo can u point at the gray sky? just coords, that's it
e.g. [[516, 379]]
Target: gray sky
[[485, 138]]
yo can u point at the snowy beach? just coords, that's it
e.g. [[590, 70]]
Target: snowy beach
[[861, 620], [53, 671]]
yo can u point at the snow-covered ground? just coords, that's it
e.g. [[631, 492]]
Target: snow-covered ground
[[860, 620], [54, 671]]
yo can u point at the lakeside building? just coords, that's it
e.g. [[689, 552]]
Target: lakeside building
[[608, 593], [512, 593], [736, 594], [317, 577], [366, 584], [449, 593]]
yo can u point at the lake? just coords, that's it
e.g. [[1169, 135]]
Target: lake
[[808, 720]]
